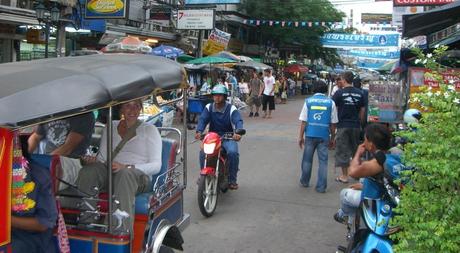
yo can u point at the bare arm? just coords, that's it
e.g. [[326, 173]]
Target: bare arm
[[33, 141], [364, 169], [27, 223], [303, 124], [72, 141], [261, 90]]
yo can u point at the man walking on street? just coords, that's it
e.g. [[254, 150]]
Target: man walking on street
[[351, 112], [269, 94], [256, 87], [317, 131]]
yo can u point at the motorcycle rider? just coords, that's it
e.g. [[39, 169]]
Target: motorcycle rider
[[222, 117]]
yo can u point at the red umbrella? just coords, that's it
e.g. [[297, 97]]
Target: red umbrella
[[295, 68]]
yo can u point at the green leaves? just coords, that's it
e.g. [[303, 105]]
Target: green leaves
[[429, 211]]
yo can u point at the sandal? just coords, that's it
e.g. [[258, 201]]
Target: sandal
[[338, 179], [233, 186]]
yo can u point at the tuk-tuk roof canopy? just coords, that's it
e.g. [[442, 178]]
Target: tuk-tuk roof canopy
[[35, 91]]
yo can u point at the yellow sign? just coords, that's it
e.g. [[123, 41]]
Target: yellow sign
[[36, 36], [217, 41], [105, 6]]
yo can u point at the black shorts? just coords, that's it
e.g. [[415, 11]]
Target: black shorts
[[270, 100]]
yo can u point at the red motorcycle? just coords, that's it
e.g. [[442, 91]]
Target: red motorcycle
[[214, 174]]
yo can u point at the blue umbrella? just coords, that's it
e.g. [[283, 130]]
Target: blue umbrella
[[167, 51]]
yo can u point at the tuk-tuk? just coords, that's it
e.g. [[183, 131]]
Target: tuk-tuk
[[41, 91]]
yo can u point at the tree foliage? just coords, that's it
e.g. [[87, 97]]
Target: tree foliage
[[429, 212], [296, 10]]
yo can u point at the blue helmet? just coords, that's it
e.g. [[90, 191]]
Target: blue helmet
[[219, 89]]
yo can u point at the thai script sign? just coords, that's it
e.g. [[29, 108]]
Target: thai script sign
[[105, 9], [386, 101], [417, 79], [420, 2], [217, 41], [195, 19], [345, 40], [373, 54]]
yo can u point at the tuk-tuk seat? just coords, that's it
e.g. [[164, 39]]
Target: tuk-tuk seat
[[168, 159]]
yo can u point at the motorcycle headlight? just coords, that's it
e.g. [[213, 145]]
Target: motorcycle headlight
[[209, 148]]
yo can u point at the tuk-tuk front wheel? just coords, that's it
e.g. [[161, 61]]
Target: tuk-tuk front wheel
[[207, 194]]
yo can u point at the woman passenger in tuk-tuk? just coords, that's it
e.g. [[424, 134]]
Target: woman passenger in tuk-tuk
[[136, 157]]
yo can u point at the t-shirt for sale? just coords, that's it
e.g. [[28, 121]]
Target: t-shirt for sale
[[349, 102], [55, 133], [269, 82]]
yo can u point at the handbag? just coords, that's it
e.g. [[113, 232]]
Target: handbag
[[284, 95]]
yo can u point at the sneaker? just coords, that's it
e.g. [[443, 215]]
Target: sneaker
[[256, 115], [340, 219], [251, 114]]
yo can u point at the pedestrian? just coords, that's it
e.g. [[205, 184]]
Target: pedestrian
[[283, 90], [351, 106], [233, 85], [268, 99], [277, 91], [291, 86], [256, 87], [338, 85], [317, 132]]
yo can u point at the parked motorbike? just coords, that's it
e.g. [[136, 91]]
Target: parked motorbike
[[214, 174], [380, 196]]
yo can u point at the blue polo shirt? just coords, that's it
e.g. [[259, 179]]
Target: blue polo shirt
[[45, 211]]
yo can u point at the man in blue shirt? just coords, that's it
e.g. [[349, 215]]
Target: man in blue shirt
[[318, 119], [222, 117], [32, 231]]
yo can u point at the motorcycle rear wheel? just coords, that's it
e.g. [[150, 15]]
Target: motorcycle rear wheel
[[356, 242], [207, 195]]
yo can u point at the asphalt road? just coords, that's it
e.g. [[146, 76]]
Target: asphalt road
[[270, 212]]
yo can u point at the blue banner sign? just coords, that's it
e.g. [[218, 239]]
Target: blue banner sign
[[373, 54], [370, 64], [345, 40], [212, 1]]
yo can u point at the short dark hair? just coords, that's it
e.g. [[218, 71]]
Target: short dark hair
[[347, 76], [379, 135], [320, 87]]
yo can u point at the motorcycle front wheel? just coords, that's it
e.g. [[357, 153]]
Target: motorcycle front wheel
[[355, 243], [207, 194]]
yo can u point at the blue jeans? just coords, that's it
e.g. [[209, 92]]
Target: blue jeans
[[233, 158], [321, 147], [349, 201]]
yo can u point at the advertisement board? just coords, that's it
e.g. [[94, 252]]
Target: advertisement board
[[195, 19], [375, 54], [417, 79], [217, 41], [386, 102], [399, 11], [106, 9], [346, 40], [212, 1], [420, 2]]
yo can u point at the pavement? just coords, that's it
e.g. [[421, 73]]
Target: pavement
[[270, 212]]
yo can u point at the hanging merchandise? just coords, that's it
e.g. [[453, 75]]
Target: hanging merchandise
[[20, 189]]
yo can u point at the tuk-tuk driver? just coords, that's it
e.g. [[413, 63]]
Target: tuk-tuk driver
[[66, 137]]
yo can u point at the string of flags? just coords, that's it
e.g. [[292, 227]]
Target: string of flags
[[284, 23]]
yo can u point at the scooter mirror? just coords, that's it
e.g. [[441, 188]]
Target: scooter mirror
[[240, 131]]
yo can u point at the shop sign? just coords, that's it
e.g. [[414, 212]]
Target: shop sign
[[346, 40], [450, 31], [375, 54], [105, 9], [36, 36], [212, 1], [420, 2], [195, 19], [217, 41], [417, 79], [399, 11], [386, 102]]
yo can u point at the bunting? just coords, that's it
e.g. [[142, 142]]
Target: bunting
[[293, 23]]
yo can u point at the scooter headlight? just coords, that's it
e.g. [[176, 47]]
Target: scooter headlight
[[209, 148]]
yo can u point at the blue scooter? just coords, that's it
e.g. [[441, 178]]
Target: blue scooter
[[379, 197]]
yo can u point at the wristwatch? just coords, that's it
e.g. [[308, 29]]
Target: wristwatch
[[130, 166]]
